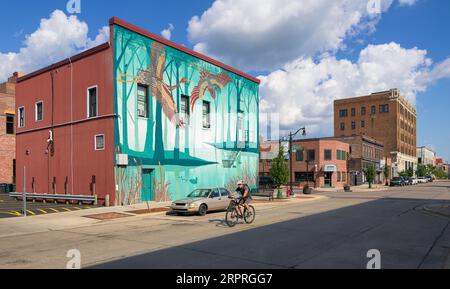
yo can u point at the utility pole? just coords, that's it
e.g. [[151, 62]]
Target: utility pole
[[291, 136], [24, 191]]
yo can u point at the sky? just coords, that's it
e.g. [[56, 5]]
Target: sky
[[306, 52]]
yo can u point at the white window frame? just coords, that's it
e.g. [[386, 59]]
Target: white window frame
[[36, 111], [87, 101], [18, 117], [95, 142]]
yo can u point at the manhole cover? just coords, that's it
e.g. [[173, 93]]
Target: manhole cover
[[108, 216]]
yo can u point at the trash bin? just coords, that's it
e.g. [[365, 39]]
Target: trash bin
[[3, 188], [9, 188]]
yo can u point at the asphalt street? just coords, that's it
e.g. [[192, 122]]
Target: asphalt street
[[336, 231]]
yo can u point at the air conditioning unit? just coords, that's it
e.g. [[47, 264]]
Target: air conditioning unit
[[122, 159]]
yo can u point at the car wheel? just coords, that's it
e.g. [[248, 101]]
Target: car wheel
[[202, 210]]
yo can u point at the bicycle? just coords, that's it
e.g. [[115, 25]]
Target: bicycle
[[234, 213]]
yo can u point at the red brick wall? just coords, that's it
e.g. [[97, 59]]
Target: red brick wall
[[85, 162], [318, 166], [7, 142]]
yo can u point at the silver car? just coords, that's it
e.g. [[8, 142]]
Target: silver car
[[202, 201]]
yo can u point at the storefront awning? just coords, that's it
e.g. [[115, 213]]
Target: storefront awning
[[330, 168]]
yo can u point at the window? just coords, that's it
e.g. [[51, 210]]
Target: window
[[363, 123], [311, 155], [100, 142], [302, 177], [338, 155], [353, 111], [373, 109], [92, 102], [384, 108], [328, 155], [338, 176], [344, 176], [343, 113], [206, 115], [21, 117], [39, 111], [343, 155], [342, 126], [9, 124], [184, 109], [363, 110], [215, 194], [142, 101], [224, 193], [353, 125], [299, 156]]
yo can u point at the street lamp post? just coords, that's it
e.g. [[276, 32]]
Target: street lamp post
[[291, 136]]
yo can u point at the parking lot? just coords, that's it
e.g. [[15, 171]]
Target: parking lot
[[10, 208]]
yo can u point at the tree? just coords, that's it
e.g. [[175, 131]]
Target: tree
[[421, 170], [279, 169], [370, 174]]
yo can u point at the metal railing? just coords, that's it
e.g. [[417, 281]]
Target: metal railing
[[78, 198]]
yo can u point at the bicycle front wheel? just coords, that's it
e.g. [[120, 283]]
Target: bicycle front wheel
[[231, 218], [249, 215]]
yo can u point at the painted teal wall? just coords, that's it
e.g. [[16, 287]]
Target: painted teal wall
[[183, 156]]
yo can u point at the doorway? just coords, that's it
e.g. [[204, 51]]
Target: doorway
[[328, 180], [147, 185]]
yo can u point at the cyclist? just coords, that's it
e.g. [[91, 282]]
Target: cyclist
[[244, 190]]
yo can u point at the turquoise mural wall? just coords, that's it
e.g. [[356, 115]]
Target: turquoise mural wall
[[174, 144]]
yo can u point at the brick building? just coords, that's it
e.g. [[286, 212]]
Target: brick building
[[321, 162], [365, 151], [139, 118], [7, 130], [385, 116]]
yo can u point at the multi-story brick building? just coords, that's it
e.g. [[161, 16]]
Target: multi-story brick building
[[7, 130], [321, 162], [139, 118], [385, 116], [365, 151]]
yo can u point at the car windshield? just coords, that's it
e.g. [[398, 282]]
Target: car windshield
[[200, 193], [397, 179]]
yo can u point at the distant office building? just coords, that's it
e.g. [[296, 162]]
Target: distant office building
[[365, 152], [7, 130], [426, 156], [385, 116]]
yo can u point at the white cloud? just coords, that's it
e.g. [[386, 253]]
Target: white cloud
[[167, 33], [407, 2], [304, 90], [268, 34], [57, 37]]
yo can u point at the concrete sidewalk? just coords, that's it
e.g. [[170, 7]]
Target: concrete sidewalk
[[355, 189], [68, 220]]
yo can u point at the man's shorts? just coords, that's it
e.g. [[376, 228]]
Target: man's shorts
[[246, 201]]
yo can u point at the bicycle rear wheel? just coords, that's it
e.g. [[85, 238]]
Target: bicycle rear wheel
[[231, 218], [249, 215]]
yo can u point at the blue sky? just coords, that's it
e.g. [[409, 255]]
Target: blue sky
[[249, 39]]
